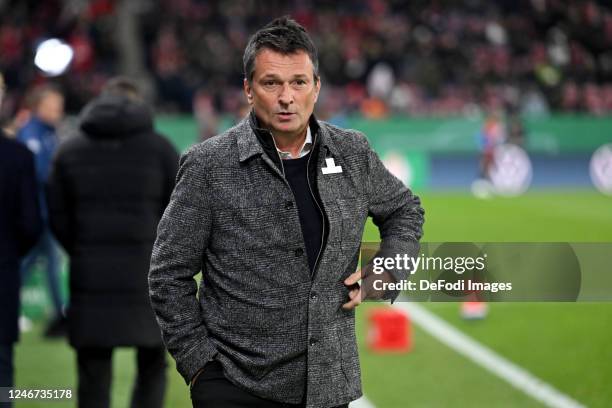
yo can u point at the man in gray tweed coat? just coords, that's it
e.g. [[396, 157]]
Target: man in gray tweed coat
[[272, 212]]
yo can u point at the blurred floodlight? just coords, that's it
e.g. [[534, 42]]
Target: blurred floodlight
[[601, 169], [53, 57]]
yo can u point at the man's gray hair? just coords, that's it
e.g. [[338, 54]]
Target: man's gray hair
[[283, 35]]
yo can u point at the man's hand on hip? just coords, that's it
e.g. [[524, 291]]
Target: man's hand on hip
[[364, 290]]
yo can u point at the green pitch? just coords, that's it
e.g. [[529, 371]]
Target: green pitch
[[566, 345]]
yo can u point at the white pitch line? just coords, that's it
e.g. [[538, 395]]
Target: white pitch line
[[362, 402], [487, 358]]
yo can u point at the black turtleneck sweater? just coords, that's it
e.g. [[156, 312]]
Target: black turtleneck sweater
[[310, 216]]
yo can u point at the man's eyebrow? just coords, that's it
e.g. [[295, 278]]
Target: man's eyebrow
[[275, 76], [270, 76]]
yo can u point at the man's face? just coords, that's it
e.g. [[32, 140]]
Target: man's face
[[51, 108], [283, 91]]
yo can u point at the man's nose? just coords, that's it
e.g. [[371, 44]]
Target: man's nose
[[285, 97]]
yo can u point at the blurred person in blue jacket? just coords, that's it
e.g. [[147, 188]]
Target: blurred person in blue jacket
[[20, 227], [39, 135]]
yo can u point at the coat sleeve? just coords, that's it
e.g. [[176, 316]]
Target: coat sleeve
[[29, 220], [397, 213], [182, 236]]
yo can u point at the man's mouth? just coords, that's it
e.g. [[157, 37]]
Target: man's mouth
[[285, 115]]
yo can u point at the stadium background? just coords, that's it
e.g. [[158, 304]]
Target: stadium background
[[420, 79]]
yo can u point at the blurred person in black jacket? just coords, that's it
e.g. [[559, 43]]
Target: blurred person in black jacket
[[107, 191], [20, 227]]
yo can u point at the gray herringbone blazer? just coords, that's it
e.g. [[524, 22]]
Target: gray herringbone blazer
[[275, 330]]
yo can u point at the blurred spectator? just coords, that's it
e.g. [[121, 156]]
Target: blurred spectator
[[516, 129], [20, 227], [443, 49], [38, 135], [492, 134], [534, 103], [205, 114], [108, 189]]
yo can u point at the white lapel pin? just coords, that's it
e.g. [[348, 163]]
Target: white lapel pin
[[331, 167]]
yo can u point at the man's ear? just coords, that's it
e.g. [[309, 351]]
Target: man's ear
[[247, 91]]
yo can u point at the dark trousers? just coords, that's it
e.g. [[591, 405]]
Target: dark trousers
[[95, 375], [6, 369], [213, 390]]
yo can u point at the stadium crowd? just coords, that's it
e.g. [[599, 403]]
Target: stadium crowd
[[377, 56]]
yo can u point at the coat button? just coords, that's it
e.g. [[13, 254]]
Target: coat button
[[313, 342], [299, 252], [313, 296], [288, 205]]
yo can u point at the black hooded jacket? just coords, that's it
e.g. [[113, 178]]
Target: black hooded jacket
[[107, 191]]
